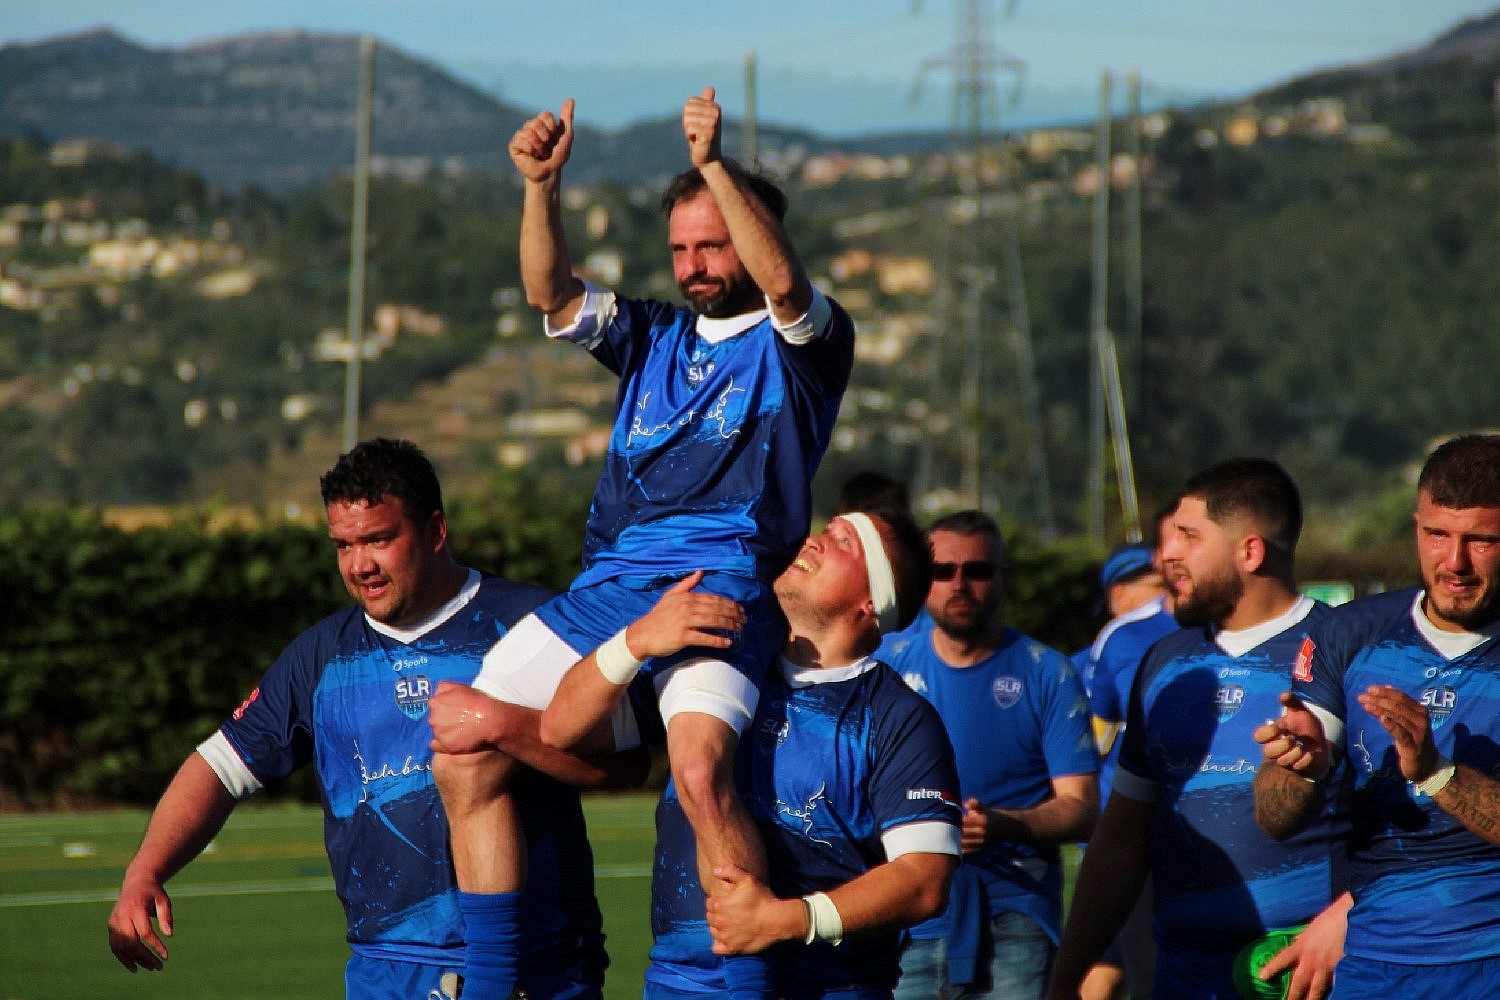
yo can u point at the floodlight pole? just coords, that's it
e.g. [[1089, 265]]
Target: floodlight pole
[[356, 316]]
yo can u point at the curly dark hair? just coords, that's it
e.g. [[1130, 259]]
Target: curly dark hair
[[382, 468]]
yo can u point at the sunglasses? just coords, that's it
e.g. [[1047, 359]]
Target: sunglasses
[[977, 570]]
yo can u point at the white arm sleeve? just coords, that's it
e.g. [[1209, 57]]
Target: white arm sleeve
[[928, 837], [232, 771], [593, 317], [810, 325]]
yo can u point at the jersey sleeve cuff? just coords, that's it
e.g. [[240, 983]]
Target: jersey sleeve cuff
[[926, 837], [810, 325], [226, 763], [589, 323], [1133, 786], [1333, 726]]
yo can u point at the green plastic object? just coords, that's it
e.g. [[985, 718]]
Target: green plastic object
[[1256, 954]]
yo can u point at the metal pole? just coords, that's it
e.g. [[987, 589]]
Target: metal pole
[[356, 316], [1098, 316], [749, 140]]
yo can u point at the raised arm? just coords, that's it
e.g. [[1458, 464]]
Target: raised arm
[[759, 239], [191, 811], [539, 149]]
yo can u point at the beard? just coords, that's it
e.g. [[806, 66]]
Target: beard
[[720, 298], [1212, 600], [1471, 615], [964, 619]]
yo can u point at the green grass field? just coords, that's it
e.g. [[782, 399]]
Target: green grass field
[[256, 917]]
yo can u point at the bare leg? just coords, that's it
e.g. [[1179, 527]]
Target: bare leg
[[489, 861], [700, 749]]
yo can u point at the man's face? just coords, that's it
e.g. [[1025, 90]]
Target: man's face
[[705, 263], [1459, 551], [827, 579], [967, 583], [1199, 563], [388, 563]]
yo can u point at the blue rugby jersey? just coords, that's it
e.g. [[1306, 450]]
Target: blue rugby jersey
[[841, 769], [1426, 890], [1117, 655], [1017, 720], [1219, 881], [715, 442], [350, 698]]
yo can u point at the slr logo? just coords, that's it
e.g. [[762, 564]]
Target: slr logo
[[1228, 700], [699, 371], [1440, 701], [774, 729], [412, 694], [1007, 691]]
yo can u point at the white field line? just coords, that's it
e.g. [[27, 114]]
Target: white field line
[[320, 884]]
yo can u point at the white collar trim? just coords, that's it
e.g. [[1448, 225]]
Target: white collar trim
[[1241, 642], [1451, 645], [718, 330], [801, 677], [412, 634]]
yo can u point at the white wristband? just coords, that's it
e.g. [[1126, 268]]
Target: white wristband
[[1437, 780], [615, 660], [823, 920]]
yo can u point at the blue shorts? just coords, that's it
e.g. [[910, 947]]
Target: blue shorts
[[528, 663], [1358, 978], [369, 978]]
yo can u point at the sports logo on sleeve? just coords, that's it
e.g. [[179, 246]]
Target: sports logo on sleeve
[[1302, 667], [239, 713]]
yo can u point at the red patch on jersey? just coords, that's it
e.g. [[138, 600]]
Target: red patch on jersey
[[1302, 669], [239, 713]]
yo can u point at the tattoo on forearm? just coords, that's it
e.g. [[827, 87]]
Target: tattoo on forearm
[[1473, 798], [1284, 803]]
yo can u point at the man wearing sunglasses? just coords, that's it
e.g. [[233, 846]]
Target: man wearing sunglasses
[[1019, 721]]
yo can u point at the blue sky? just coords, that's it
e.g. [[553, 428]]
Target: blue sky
[[836, 66]]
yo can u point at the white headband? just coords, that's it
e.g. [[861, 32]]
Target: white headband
[[878, 566]]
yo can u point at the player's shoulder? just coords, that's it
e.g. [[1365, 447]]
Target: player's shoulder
[[1192, 640], [1027, 652], [1364, 617], [508, 600], [327, 633], [907, 647], [891, 695]]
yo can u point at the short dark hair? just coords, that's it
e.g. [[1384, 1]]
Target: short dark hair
[[687, 184], [1463, 472], [1257, 488], [382, 468], [971, 522], [872, 492], [910, 558]]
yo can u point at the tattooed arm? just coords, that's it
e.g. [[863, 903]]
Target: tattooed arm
[[1288, 789]]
